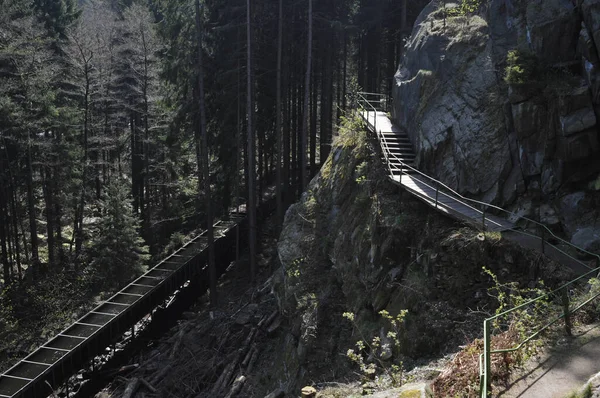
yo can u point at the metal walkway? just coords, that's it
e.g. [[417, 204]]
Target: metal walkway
[[399, 159], [53, 363], [399, 156]]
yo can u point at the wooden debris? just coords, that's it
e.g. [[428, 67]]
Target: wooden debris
[[160, 375], [177, 344], [279, 393], [149, 386], [274, 326], [270, 319], [252, 361], [246, 360], [236, 387], [131, 388], [225, 377]]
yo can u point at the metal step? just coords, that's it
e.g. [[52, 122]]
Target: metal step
[[403, 153]]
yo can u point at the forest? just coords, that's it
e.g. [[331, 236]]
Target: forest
[[125, 124]]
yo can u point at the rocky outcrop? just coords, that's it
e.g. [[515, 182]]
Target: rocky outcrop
[[354, 243], [531, 138]]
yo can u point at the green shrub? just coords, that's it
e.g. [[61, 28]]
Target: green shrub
[[521, 67], [466, 7]]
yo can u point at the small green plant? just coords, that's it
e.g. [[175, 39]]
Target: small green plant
[[375, 352], [523, 322], [294, 269], [351, 132], [585, 393], [361, 172], [466, 7], [521, 67]]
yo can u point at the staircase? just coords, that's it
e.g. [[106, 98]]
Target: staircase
[[400, 151], [399, 158]]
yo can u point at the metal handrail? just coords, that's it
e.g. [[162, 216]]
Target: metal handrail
[[485, 358], [456, 196]]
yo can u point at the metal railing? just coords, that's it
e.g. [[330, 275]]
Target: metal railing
[[370, 102], [563, 292]]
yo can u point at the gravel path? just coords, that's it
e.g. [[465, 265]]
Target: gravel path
[[561, 369]]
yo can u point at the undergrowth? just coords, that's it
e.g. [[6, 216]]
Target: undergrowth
[[461, 379]]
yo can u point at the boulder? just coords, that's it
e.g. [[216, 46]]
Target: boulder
[[553, 28]]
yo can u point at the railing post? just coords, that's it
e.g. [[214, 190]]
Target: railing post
[[566, 312], [483, 217], [543, 240], [487, 360], [437, 191]]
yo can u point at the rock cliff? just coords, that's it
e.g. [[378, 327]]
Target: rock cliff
[[503, 106], [357, 243]]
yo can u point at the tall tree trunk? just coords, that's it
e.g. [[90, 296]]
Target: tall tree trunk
[[313, 121], [212, 270], [286, 141], [78, 227], [251, 208], [35, 259], [305, 120], [145, 180], [278, 120], [345, 74], [49, 199], [6, 266], [239, 140]]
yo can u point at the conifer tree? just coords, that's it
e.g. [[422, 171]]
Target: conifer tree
[[118, 252]]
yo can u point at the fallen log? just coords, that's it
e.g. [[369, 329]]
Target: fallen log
[[225, 377], [252, 361], [279, 393], [271, 318], [131, 388], [160, 375], [248, 356], [177, 344], [149, 386], [236, 387]]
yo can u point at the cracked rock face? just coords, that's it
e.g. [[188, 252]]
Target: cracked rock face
[[445, 97], [500, 142]]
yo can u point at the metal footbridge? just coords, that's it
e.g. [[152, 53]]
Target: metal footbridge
[[48, 367]]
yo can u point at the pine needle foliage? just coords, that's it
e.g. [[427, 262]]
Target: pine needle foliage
[[119, 252]]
